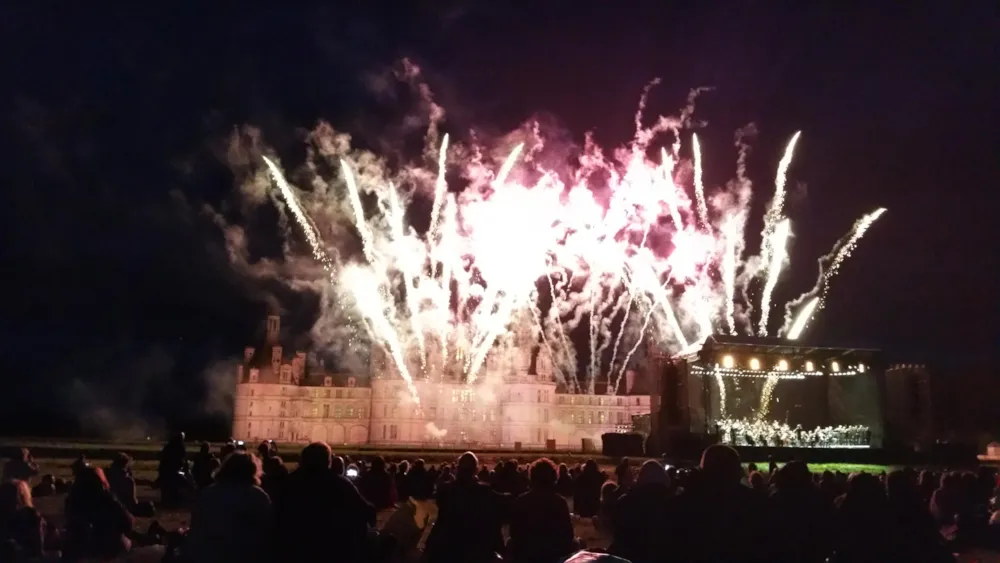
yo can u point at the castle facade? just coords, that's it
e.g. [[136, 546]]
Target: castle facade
[[514, 403]]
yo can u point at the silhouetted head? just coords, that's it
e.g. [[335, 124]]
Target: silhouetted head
[[467, 465], [652, 472], [241, 468], [543, 474], [720, 464], [316, 457]]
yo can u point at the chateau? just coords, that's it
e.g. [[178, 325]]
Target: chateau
[[514, 403]]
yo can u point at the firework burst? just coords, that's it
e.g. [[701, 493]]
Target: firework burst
[[612, 244]]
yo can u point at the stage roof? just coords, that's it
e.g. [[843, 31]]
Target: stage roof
[[780, 346]]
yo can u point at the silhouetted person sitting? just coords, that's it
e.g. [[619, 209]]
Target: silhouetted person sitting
[[232, 519], [204, 466], [641, 524], [802, 513], [21, 527], [97, 524], [407, 524], [540, 527], [864, 529], [21, 467], [587, 490], [716, 518], [121, 481], [319, 510], [921, 540], [378, 486], [468, 528]]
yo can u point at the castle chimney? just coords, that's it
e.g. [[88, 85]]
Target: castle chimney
[[248, 354], [273, 329]]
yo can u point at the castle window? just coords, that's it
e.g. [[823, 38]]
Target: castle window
[[600, 417], [284, 404], [385, 411], [383, 432], [539, 396], [361, 412], [395, 412], [251, 392], [637, 401], [590, 417], [314, 411], [340, 393], [350, 412], [281, 424], [326, 411], [545, 415], [338, 411], [393, 432], [621, 402], [351, 382], [620, 417], [538, 434], [326, 393]]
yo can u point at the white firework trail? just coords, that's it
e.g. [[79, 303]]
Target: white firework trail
[[699, 183], [440, 189], [776, 208], [778, 252]]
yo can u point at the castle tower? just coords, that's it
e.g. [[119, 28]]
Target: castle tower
[[273, 329]]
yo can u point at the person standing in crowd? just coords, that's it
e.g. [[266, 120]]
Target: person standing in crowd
[[232, 519], [717, 518], [540, 526], [204, 466], [318, 509], [468, 528], [172, 473], [587, 490], [641, 526]]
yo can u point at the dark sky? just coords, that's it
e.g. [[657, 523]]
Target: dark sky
[[119, 300]]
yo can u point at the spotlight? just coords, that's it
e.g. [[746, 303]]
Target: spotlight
[[728, 362], [810, 366], [754, 363], [861, 368], [835, 366], [783, 365]]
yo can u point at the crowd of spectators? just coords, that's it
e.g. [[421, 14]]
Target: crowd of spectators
[[249, 507]]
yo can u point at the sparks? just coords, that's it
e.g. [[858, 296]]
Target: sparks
[[619, 232]]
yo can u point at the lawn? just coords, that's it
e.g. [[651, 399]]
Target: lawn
[[841, 467]]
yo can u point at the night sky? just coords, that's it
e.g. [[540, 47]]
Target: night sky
[[119, 295]]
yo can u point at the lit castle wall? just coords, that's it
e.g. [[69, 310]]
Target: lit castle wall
[[514, 400]]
